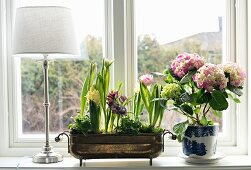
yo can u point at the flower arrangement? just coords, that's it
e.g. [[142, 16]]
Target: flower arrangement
[[98, 101], [197, 89]]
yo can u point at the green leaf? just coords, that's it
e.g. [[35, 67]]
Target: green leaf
[[159, 107], [70, 126], [235, 90], [170, 71], [106, 80], [86, 87], [84, 92], [236, 100], [210, 122], [166, 71], [186, 108], [99, 86], [203, 121], [153, 116], [185, 97], [197, 110], [137, 105], [146, 97], [188, 77], [225, 94], [93, 70], [230, 96], [217, 113], [227, 75], [204, 98], [169, 79], [94, 116], [180, 129], [218, 101]]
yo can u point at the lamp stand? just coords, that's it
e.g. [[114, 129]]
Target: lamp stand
[[47, 155]]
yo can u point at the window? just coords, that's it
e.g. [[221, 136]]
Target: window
[[171, 28], [141, 36], [65, 76]]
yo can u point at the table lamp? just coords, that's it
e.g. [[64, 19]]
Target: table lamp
[[45, 32]]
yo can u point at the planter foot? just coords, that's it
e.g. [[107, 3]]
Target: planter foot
[[151, 161], [80, 162]]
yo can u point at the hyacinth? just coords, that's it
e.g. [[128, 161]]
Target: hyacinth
[[107, 62], [115, 102], [171, 91], [94, 95], [210, 76], [185, 62], [237, 74], [137, 88], [146, 79]]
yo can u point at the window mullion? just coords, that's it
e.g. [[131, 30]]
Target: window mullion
[[131, 59], [108, 40], [242, 59], [249, 76], [3, 78], [119, 42]]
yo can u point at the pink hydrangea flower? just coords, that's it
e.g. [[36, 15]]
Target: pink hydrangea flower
[[237, 74], [210, 76], [185, 62], [146, 79]]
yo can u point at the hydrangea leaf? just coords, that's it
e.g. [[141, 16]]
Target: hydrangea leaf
[[217, 113], [185, 97], [235, 90], [180, 129], [186, 108], [218, 101], [203, 121], [188, 77]]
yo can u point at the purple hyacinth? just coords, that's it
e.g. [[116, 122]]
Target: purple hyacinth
[[115, 102]]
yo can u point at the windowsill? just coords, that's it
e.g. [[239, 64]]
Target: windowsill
[[229, 162]]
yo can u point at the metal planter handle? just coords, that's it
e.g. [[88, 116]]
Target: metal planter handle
[[173, 137], [57, 139]]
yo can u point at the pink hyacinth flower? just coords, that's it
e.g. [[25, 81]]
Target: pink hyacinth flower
[[146, 79]]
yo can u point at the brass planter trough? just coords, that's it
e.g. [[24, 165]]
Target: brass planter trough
[[100, 146]]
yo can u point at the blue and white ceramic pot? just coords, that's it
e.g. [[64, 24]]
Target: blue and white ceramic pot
[[200, 141]]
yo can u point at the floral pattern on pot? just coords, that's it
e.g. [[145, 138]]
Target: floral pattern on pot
[[200, 141]]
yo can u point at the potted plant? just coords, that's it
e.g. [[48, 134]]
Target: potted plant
[[197, 89], [105, 128]]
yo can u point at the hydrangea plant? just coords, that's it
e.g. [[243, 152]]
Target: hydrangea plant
[[197, 89]]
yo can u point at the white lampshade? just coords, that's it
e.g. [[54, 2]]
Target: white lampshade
[[44, 30]]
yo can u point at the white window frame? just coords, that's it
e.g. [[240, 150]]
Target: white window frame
[[120, 45], [235, 140]]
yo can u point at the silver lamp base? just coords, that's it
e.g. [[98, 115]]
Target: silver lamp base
[[46, 156]]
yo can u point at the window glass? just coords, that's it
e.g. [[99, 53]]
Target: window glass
[[65, 76], [165, 28]]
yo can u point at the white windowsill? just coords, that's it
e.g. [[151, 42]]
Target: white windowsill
[[229, 162]]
